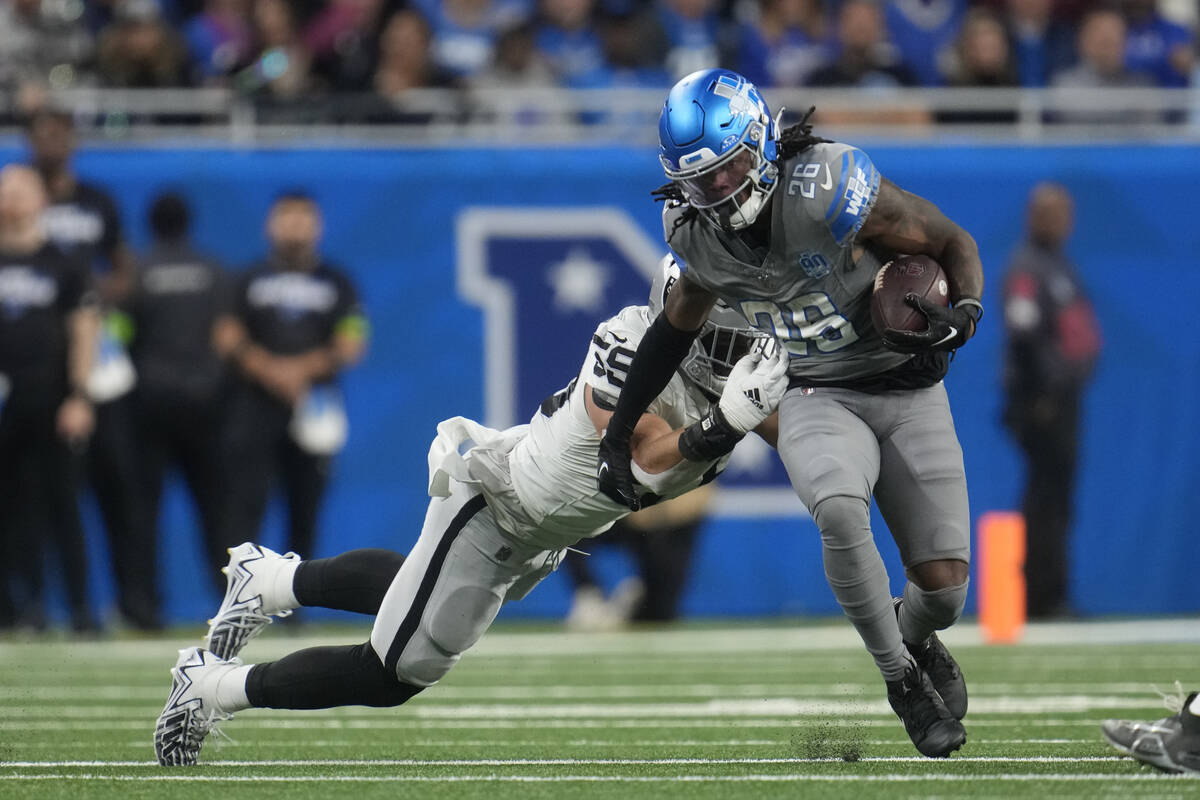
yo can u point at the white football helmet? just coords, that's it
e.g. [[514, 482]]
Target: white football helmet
[[725, 337]]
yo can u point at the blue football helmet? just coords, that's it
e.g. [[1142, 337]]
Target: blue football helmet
[[718, 143]]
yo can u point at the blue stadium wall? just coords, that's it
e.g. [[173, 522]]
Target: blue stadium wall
[[397, 220]]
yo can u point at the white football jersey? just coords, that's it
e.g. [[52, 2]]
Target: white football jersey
[[553, 467]]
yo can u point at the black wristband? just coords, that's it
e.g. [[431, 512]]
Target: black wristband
[[662, 349], [708, 439]]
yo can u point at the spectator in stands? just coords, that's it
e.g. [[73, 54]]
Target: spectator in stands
[[220, 40], [140, 51], [1157, 46], [465, 31], [1053, 343], [516, 62], [924, 33], [181, 381], [693, 36], [47, 338], [982, 58], [44, 43], [627, 61], [785, 44], [865, 58], [342, 39], [84, 222], [294, 324], [567, 38], [279, 76], [405, 63], [1102, 42], [1042, 44]]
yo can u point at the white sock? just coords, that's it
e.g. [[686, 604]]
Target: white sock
[[230, 692], [1194, 708], [278, 595]]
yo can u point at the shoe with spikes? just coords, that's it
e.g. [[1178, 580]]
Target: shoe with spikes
[[933, 657], [247, 607], [932, 728], [190, 714]]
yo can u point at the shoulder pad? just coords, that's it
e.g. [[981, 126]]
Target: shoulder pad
[[836, 184]]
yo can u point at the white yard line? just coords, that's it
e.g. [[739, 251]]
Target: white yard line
[[684, 640], [767, 778], [757, 707], [555, 691], [501, 742], [308, 723], [562, 762]]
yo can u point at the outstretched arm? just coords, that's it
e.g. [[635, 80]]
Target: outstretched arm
[[661, 350]]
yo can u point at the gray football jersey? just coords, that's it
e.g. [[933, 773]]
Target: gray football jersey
[[810, 291]]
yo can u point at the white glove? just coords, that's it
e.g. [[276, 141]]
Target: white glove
[[753, 390]]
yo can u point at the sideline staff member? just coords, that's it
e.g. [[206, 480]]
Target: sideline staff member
[[181, 381], [48, 328], [295, 323]]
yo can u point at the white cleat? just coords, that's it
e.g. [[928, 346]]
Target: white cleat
[[186, 718], [244, 613]]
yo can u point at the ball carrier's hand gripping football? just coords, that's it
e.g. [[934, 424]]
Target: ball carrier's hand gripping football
[[948, 328]]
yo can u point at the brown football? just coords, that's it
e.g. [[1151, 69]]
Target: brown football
[[904, 275]]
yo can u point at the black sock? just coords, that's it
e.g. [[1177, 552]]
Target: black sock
[[326, 677], [354, 581]]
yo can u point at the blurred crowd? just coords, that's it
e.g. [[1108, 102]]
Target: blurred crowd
[[306, 59]]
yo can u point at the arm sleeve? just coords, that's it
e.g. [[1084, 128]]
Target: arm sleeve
[[662, 349]]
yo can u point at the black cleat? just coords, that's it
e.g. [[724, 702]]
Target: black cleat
[[933, 657], [930, 725], [1171, 744]]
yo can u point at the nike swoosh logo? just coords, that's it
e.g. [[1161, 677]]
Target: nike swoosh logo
[[953, 332], [828, 184], [602, 471], [621, 339]]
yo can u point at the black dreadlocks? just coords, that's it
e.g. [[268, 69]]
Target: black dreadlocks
[[794, 140]]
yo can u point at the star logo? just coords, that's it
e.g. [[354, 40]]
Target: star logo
[[579, 282]]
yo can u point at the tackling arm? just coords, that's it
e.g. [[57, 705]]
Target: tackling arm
[[661, 350]]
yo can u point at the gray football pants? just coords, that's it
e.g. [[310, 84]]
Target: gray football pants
[[451, 586], [840, 447]]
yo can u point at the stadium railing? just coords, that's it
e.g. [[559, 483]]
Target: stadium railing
[[559, 116]]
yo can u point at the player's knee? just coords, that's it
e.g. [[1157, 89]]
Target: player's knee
[[844, 521], [380, 686], [940, 607], [939, 574], [451, 628]]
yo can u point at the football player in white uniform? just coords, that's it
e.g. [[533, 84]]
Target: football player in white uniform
[[505, 505]]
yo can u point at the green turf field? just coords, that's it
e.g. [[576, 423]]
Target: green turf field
[[696, 712]]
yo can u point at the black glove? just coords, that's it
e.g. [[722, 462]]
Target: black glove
[[615, 474], [948, 329]]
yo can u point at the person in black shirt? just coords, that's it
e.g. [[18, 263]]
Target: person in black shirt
[[82, 220], [48, 325], [1053, 342], [181, 382], [294, 324]]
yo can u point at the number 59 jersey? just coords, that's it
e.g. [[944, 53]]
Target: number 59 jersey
[[553, 467], [812, 287]]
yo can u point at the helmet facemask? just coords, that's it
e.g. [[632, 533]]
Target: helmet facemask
[[732, 191]]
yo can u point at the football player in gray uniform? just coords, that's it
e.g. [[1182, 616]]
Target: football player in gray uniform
[[790, 229], [505, 506]]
